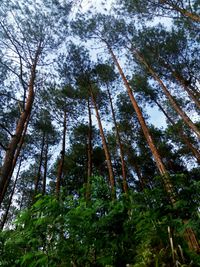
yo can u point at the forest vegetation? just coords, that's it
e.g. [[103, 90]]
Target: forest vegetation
[[99, 133]]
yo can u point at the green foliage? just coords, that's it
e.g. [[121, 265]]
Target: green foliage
[[130, 230]]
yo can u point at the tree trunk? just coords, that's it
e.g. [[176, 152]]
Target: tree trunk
[[24, 117], [105, 146], [10, 198], [125, 186], [191, 239], [45, 169], [156, 155], [62, 159], [14, 161], [182, 82], [37, 178], [184, 12], [189, 233], [181, 133], [89, 150], [176, 107]]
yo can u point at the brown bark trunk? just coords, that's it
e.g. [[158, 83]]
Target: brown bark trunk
[[181, 133], [25, 115], [184, 12], [45, 169], [189, 233], [105, 147], [176, 107], [37, 178], [191, 239], [10, 198], [62, 159], [89, 150], [136, 168], [156, 155], [142, 180], [182, 82], [14, 160], [125, 185]]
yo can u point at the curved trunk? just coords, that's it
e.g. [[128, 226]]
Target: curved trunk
[[23, 119], [176, 107], [125, 186], [12, 147], [62, 159], [105, 147]]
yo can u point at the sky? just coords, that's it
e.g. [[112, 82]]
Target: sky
[[155, 116]]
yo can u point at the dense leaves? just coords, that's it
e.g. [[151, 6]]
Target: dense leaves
[[134, 229]]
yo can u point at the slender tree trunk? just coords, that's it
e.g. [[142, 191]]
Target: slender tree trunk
[[45, 169], [176, 107], [14, 161], [89, 150], [105, 146], [141, 178], [181, 133], [191, 240], [37, 178], [156, 155], [136, 167], [182, 82], [184, 12], [25, 115], [11, 197], [125, 185], [62, 159]]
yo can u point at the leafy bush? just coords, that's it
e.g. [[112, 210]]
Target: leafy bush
[[132, 230]]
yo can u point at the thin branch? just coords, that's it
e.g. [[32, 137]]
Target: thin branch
[[6, 95], [2, 126], [5, 148]]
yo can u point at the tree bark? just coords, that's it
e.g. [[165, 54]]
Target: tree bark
[[89, 151], [105, 146], [191, 239], [182, 82], [45, 169], [125, 185], [14, 161], [25, 115], [10, 198], [189, 233], [176, 107], [181, 133], [184, 12], [62, 159], [37, 178], [153, 148]]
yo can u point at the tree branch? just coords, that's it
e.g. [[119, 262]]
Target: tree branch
[[5, 148]]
